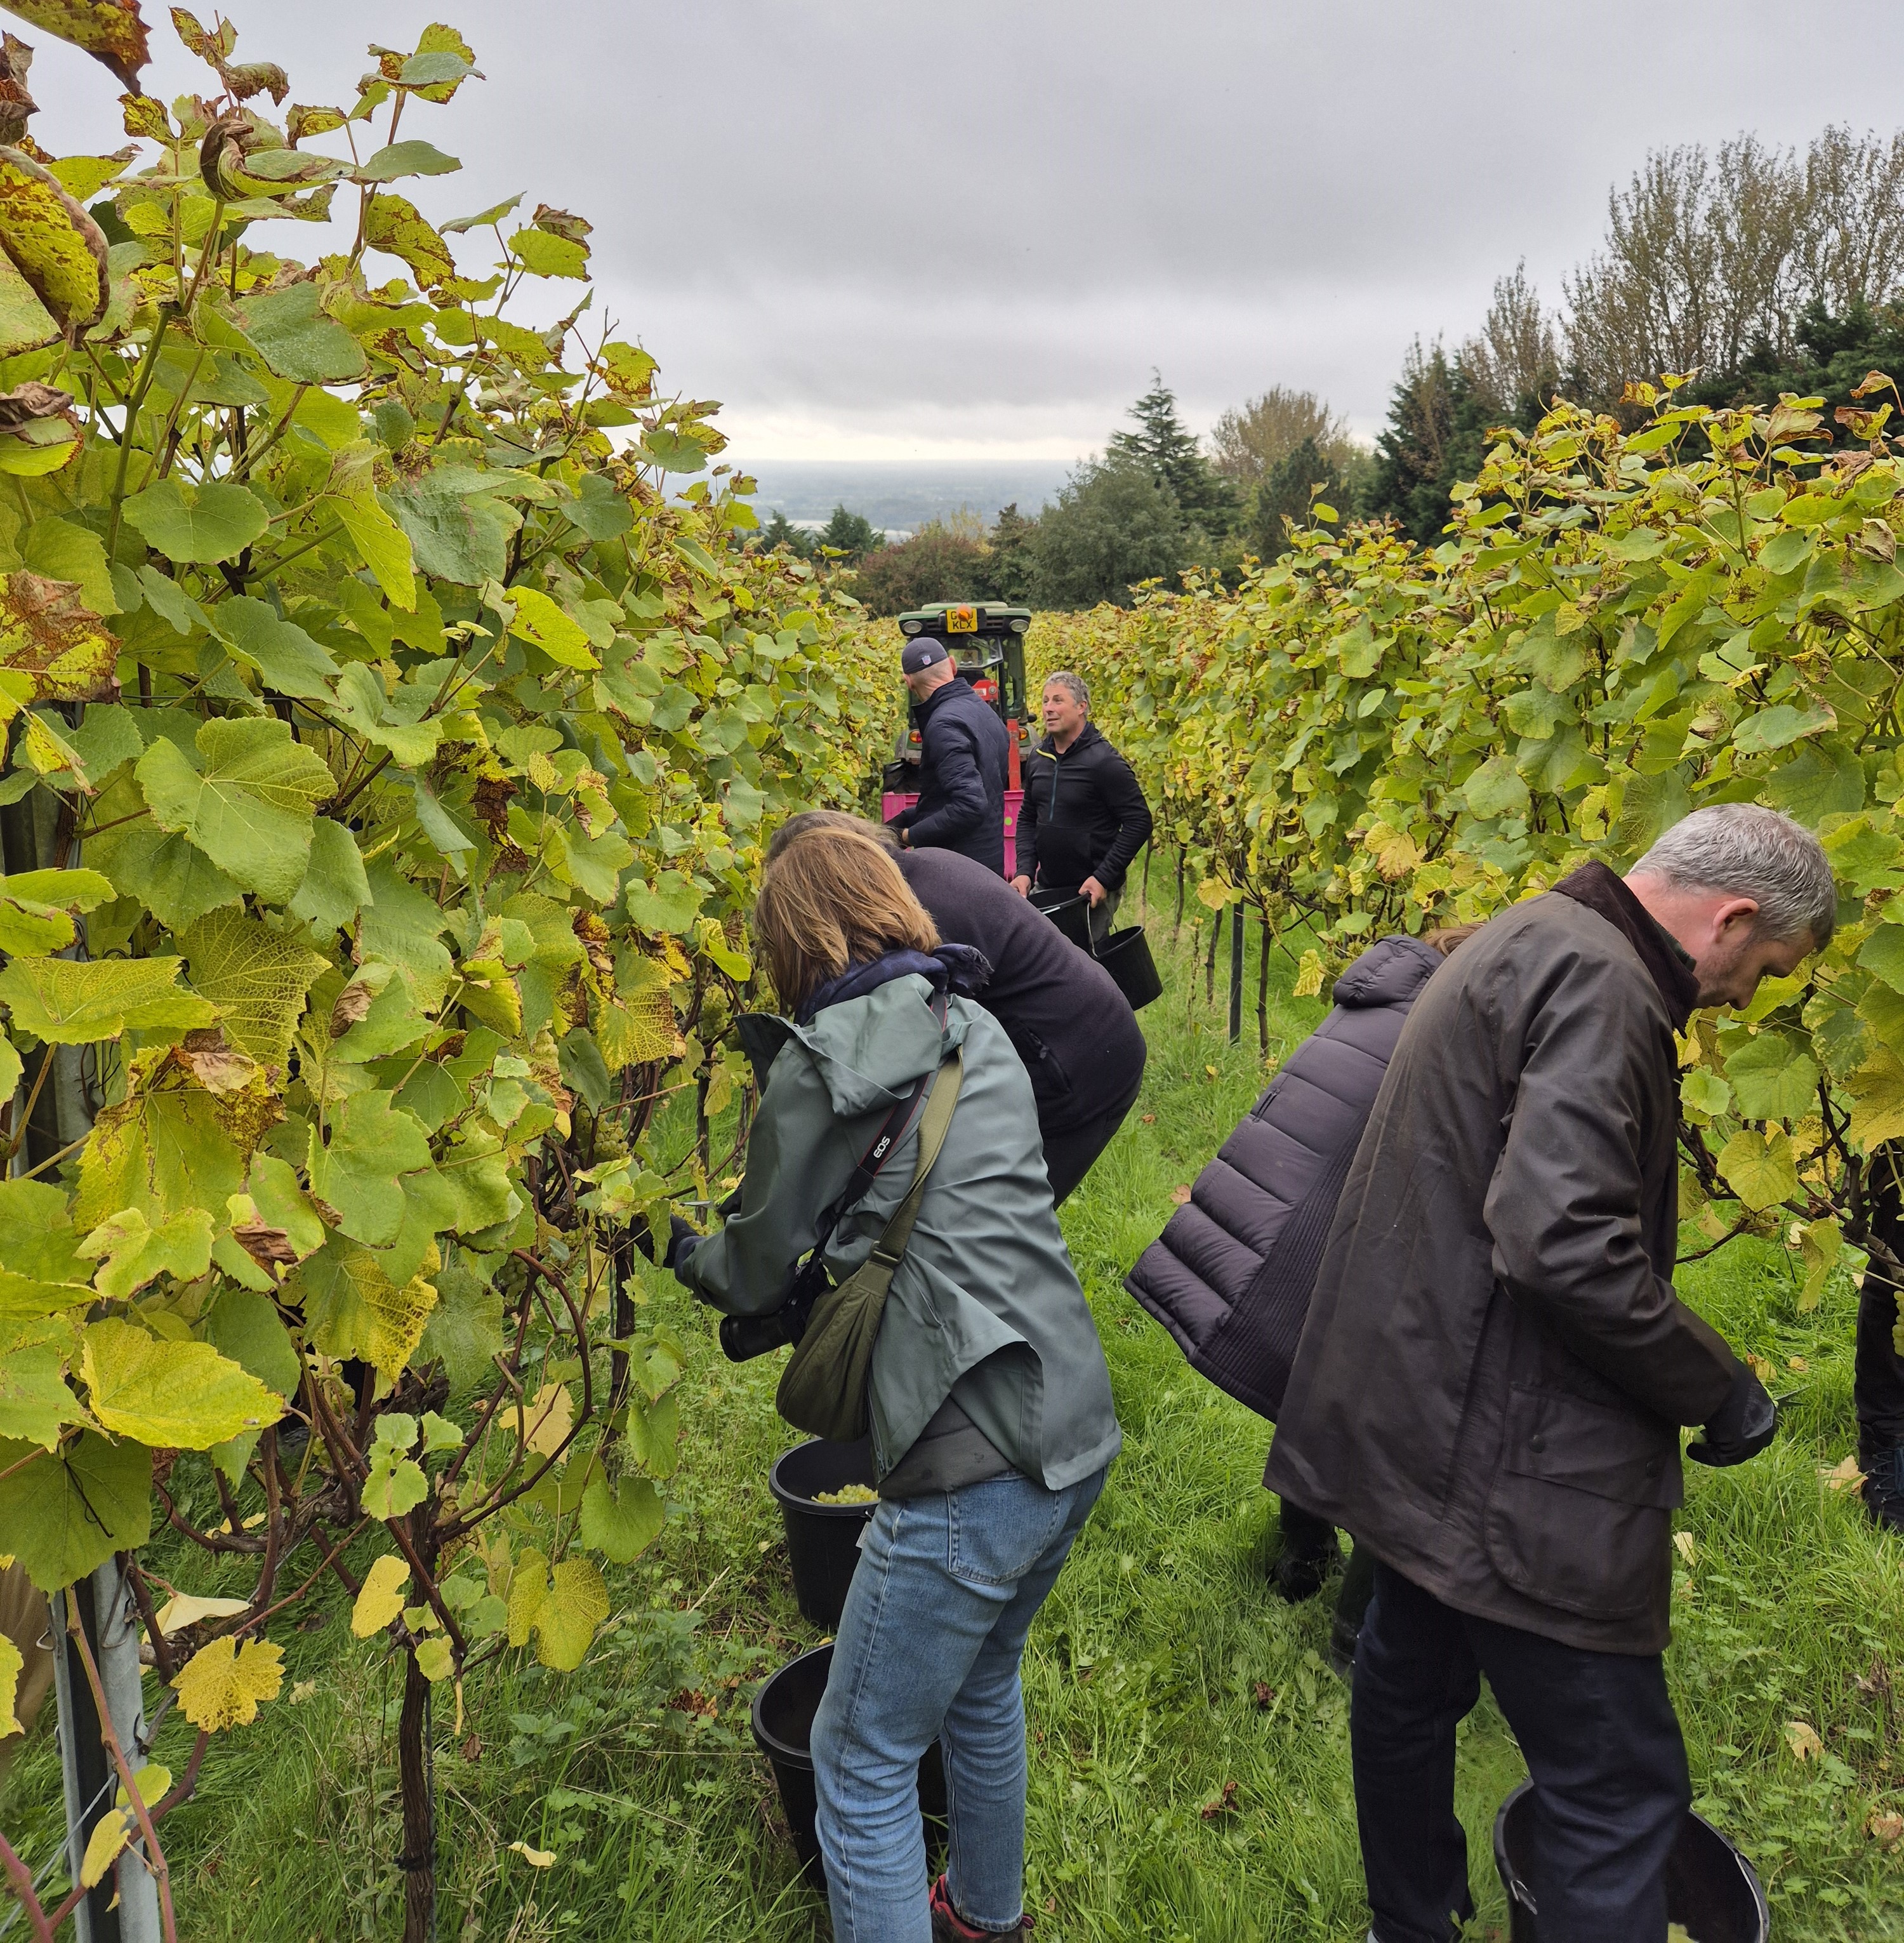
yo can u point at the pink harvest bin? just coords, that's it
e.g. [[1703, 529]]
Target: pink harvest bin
[[892, 803]]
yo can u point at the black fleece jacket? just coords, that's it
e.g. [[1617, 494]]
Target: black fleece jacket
[[1084, 815], [964, 753]]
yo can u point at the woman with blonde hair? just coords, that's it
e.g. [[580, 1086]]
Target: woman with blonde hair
[[987, 1398]]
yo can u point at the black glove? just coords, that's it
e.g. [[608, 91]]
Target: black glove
[[682, 1237], [1741, 1427]]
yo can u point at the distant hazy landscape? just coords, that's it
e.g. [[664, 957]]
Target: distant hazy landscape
[[899, 494]]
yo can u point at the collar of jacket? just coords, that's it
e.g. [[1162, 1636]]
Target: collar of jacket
[[1596, 887], [921, 710], [957, 968], [1089, 734]]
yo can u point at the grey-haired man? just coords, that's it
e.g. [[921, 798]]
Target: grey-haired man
[[1490, 1385], [964, 757]]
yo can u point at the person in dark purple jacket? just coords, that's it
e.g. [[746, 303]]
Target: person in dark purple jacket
[[1230, 1277]]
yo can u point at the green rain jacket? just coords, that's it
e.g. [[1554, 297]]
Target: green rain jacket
[[985, 1306]]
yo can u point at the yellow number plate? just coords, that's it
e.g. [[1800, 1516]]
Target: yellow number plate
[[962, 620]]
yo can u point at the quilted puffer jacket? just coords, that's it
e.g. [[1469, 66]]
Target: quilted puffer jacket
[[1231, 1276]]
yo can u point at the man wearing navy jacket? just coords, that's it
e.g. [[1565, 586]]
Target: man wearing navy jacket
[[964, 753]]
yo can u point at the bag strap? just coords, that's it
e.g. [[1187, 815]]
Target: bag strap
[[941, 1099]]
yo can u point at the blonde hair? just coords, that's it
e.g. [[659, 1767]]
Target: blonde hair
[[831, 898]]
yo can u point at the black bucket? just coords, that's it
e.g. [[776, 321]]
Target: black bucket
[[1709, 1887], [1069, 912], [822, 1541], [783, 1711], [1125, 955]]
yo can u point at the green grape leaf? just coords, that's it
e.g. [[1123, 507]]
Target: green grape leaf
[[1772, 1079], [401, 925], [66, 1512], [245, 1326], [335, 888], [381, 544], [353, 1308], [63, 550], [395, 1487], [161, 1152], [69, 1002], [167, 1394], [406, 158], [256, 977], [34, 1402], [247, 803], [674, 903], [358, 1170], [1703, 1092], [620, 1523], [543, 255], [1495, 789], [286, 659], [1761, 1171], [539, 620], [26, 324], [1883, 953], [464, 1330], [456, 533], [297, 340], [1877, 1091], [133, 1253], [169, 875], [562, 1612], [396, 226], [212, 522]]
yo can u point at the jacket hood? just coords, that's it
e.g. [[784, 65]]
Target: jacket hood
[[1390, 972], [870, 1050]]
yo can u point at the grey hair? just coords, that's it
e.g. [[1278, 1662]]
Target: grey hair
[[801, 821], [1073, 685], [1756, 853]]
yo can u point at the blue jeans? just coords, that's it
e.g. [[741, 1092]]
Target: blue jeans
[[929, 1646]]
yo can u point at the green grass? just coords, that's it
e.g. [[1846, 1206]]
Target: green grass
[[1142, 1678]]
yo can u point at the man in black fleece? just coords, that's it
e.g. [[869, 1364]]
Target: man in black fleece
[[964, 755], [1084, 816], [1079, 1040]]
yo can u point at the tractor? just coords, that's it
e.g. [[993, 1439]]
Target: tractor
[[987, 640]]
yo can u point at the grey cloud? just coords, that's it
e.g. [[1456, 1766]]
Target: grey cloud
[[875, 226]]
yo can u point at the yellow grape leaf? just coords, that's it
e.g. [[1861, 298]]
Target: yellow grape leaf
[[1396, 852], [187, 1609], [1760, 1172], [11, 1665], [576, 1604], [1802, 1738], [53, 243], [1682, 1543], [256, 977], [48, 635], [436, 1659], [183, 1395], [1213, 895], [528, 1589], [1844, 1476], [221, 1685], [1308, 977], [110, 31], [548, 1420], [113, 1830], [381, 1598], [539, 620], [1877, 1091], [537, 1859], [394, 224]]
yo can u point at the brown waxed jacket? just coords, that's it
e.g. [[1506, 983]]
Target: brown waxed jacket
[[1489, 1388]]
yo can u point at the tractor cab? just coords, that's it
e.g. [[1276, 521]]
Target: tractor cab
[[987, 641]]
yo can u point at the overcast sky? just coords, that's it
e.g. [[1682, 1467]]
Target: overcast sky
[[883, 229]]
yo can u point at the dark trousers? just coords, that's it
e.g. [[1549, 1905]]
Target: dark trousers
[[1069, 1155], [1600, 1740]]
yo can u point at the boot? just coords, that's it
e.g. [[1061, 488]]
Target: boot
[[1300, 1569], [1884, 1488], [948, 1927]]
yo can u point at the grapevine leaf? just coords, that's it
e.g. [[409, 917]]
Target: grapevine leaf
[[286, 659], [61, 551], [26, 324], [1772, 1079], [1877, 1091], [161, 1152], [539, 620], [297, 341], [163, 1393], [406, 158], [34, 1402], [73, 1002], [111, 31], [48, 635], [256, 977], [135, 1253], [11, 1666], [620, 1524], [1760, 1170], [353, 1308], [335, 887], [395, 225], [464, 1330], [111, 1834], [220, 1685], [245, 1326], [169, 875], [381, 1598], [247, 801], [358, 1170], [188, 1609], [65, 1514], [381, 544], [53, 243], [456, 535], [1884, 953], [436, 1658], [577, 1602], [212, 522], [395, 1487]]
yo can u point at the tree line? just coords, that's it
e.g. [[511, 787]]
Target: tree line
[[1762, 271]]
